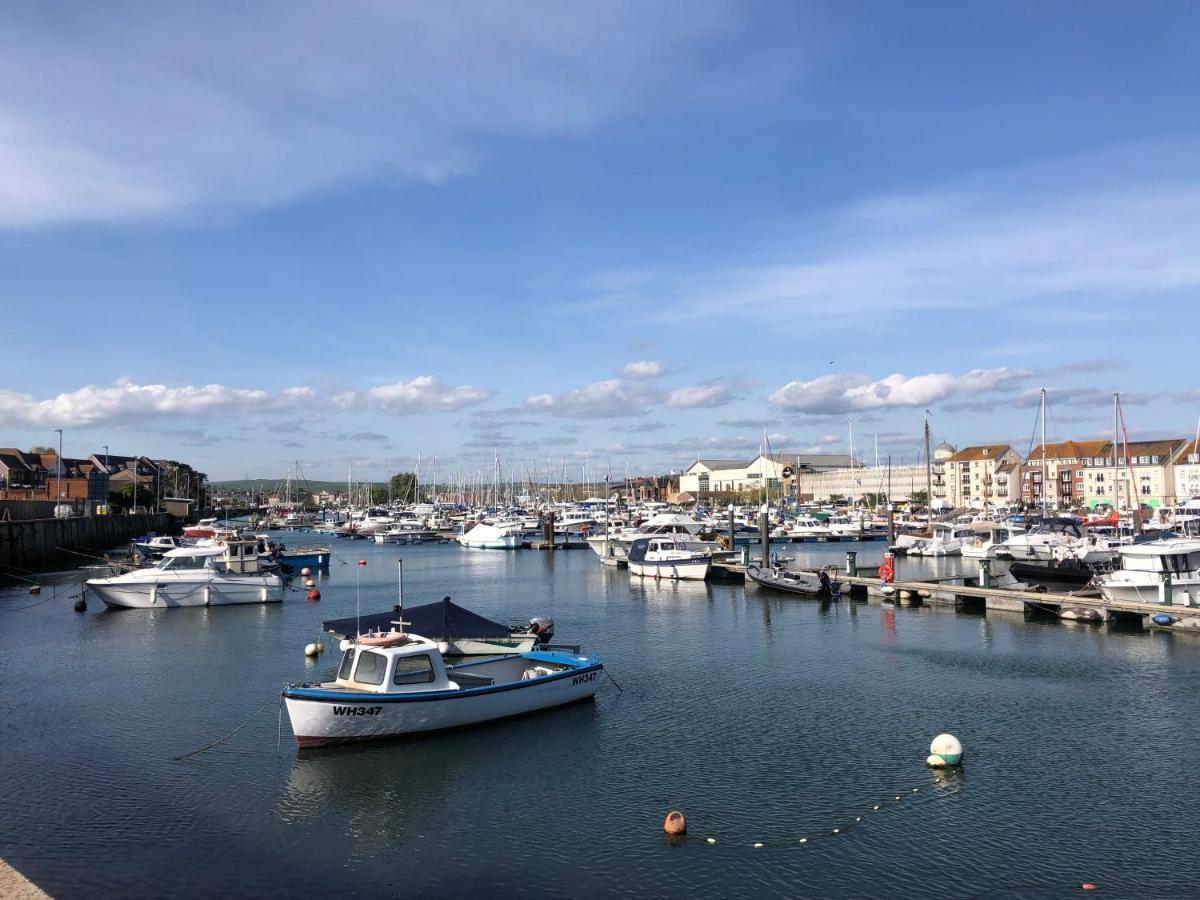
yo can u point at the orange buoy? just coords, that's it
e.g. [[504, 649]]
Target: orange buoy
[[674, 823], [314, 594], [1087, 886]]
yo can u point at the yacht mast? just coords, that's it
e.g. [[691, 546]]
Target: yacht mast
[[1116, 470], [1045, 483], [850, 422], [928, 477]]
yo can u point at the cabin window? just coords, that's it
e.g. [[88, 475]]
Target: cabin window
[[371, 668], [413, 670], [185, 562], [347, 665]]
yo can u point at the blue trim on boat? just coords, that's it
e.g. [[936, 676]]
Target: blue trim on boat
[[321, 696]]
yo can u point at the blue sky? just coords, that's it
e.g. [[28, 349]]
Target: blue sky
[[625, 233]]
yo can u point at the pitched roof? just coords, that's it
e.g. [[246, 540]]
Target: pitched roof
[[1164, 449], [824, 460], [1186, 450], [721, 464], [1068, 450], [983, 451]]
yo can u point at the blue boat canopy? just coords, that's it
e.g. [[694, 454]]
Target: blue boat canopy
[[444, 619]]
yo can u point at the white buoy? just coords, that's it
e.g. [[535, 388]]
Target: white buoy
[[711, 840], [306, 571], [310, 583], [947, 747], [935, 762], [310, 649], [320, 646], [758, 846]]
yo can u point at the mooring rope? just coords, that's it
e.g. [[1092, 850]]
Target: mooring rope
[[228, 736]]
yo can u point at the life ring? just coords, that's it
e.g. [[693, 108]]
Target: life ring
[[382, 640]]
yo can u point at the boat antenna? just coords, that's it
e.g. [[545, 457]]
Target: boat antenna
[[362, 564], [400, 594]]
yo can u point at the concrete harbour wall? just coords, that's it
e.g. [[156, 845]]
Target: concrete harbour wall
[[41, 543]]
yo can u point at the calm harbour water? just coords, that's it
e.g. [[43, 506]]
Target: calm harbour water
[[763, 717]]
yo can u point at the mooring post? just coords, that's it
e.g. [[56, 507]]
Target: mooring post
[[891, 524], [764, 536], [731, 526], [985, 573], [1167, 589], [852, 563]]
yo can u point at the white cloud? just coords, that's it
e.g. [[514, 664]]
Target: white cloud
[[610, 398], [831, 394], [699, 395], [163, 108], [644, 369], [425, 394], [124, 403]]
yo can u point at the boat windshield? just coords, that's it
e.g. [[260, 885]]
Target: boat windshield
[[177, 563]]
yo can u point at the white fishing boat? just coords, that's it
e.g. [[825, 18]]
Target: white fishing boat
[[155, 545], [1043, 541], [1149, 567], [489, 537], [666, 558], [398, 684], [986, 544], [805, 526], [616, 543], [947, 540], [215, 575]]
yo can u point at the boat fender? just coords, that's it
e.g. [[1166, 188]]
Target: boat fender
[[675, 823], [1162, 619]]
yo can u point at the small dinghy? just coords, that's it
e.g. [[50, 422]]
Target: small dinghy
[[809, 584], [401, 685]]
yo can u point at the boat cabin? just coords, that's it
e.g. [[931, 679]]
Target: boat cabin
[[1178, 556], [234, 557], [408, 663]]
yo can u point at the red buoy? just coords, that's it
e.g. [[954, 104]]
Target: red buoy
[[362, 562], [674, 823], [314, 594], [1087, 886]]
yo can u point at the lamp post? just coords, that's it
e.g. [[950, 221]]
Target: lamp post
[[59, 465]]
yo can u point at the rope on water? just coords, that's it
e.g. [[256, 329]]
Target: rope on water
[[231, 734], [614, 681]]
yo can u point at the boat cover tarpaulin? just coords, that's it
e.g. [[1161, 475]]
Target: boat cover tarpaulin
[[444, 619]]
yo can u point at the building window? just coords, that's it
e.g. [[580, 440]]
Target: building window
[[1145, 489]]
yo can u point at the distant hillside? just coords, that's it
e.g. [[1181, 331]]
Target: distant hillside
[[268, 484]]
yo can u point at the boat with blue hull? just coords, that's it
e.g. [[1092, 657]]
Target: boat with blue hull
[[292, 561], [398, 684]]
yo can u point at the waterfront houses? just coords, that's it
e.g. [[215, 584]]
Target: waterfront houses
[[1060, 480], [971, 476], [1185, 467], [1145, 478]]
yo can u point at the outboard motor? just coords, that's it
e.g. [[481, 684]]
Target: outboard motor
[[543, 627]]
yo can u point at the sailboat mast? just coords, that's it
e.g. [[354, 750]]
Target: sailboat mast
[[1045, 482], [1116, 470], [850, 423], [928, 477]]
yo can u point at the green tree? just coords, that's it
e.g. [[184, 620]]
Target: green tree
[[121, 500], [402, 485], [920, 497], [38, 451]]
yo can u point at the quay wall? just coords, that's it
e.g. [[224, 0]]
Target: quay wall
[[39, 543]]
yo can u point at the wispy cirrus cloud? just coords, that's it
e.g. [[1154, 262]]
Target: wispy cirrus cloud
[[831, 394], [164, 109], [1120, 223]]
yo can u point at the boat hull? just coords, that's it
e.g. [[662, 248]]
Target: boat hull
[[321, 717], [311, 559], [681, 569], [186, 593]]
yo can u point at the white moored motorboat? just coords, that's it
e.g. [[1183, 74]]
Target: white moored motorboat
[[1152, 568], [665, 558], [489, 537], [216, 575], [397, 684]]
